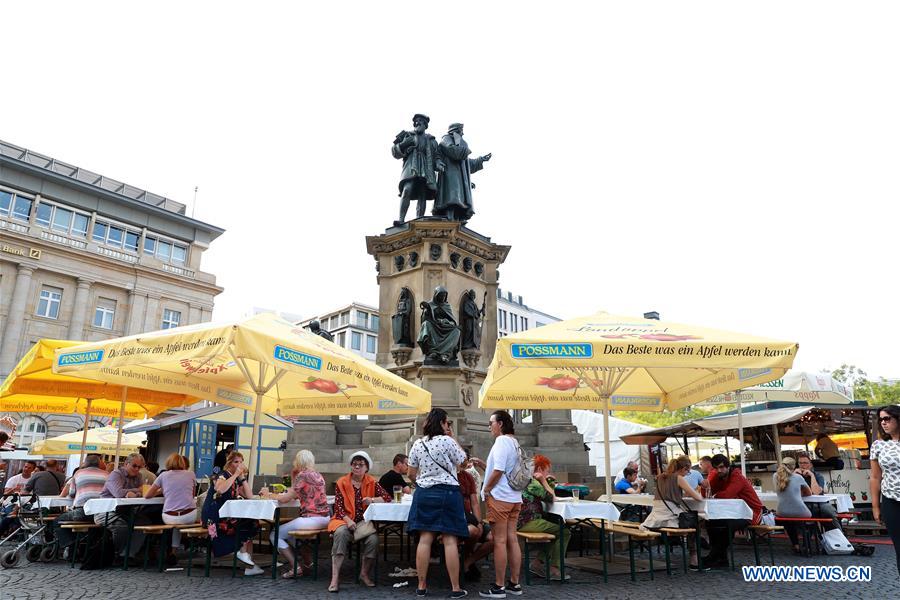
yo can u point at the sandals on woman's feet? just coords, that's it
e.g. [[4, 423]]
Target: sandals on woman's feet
[[333, 589], [291, 575]]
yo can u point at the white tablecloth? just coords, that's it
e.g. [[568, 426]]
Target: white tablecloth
[[634, 499], [252, 509], [585, 509], [54, 501], [388, 511], [104, 505], [842, 501], [720, 508]]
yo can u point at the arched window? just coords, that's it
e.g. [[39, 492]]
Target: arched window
[[33, 429]]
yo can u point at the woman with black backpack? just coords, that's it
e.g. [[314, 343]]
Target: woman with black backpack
[[437, 505]]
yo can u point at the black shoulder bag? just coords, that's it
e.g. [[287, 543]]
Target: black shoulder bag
[[688, 519]]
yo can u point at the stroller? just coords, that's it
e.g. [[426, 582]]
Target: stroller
[[33, 533]]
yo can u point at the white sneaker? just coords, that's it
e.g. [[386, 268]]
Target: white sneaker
[[255, 570], [244, 557]]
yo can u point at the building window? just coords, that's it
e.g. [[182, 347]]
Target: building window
[[165, 250], [104, 313], [515, 322], [524, 323], [115, 236], [342, 339], [15, 206], [334, 322], [171, 319], [345, 317], [48, 305], [33, 429], [355, 340], [63, 220], [375, 322], [370, 344], [362, 319], [502, 319]]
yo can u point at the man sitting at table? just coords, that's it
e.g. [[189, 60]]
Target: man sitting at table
[[124, 482], [86, 484], [629, 483], [726, 482], [621, 474], [816, 483], [394, 477], [49, 482]]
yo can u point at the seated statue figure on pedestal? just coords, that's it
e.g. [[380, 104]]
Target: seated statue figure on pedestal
[[439, 333]]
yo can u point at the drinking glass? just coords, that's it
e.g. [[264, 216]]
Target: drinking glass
[[576, 495], [398, 493]]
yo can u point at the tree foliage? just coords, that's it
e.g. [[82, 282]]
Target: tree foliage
[[875, 393]]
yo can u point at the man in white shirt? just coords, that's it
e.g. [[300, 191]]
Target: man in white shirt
[[17, 483]]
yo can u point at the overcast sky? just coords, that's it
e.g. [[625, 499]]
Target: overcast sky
[[731, 165]]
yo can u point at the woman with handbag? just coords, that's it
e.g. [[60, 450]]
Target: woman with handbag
[[230, 535], [437, 505], [669, 509], [353, 493]]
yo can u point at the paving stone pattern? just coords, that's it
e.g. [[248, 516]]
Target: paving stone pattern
[[57, 582]]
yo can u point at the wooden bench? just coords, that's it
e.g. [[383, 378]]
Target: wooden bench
[[159, 530], [808, 526], [195, 534], [310, 537], [682, 534], [80, 529], [763, 531], [542, 539], [635, 534], [865, 528]]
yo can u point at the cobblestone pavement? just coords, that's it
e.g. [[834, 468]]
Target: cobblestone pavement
[[57, 582]]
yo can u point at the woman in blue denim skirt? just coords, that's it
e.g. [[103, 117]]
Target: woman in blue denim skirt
[[437, 506]]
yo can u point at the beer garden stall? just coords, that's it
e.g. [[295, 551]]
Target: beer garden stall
[[771, 426]]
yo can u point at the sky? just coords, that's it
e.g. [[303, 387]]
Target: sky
[[731, 165]]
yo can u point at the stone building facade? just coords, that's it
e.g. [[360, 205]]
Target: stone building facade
[[86, 257]]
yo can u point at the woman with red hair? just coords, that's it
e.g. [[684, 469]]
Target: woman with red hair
[[531, 518]]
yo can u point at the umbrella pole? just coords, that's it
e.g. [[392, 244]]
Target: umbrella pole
[[606, 459], [741, 432], [87, 416], [777, 440], [121, 424], [254, 439]]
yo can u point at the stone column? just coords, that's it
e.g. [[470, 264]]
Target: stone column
[[15, 320], [79, 313], [134, 322], [151, 319]]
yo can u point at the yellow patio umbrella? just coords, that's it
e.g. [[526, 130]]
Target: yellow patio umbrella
[[259, 363], [32, 386], [612, 362], [100, 440]]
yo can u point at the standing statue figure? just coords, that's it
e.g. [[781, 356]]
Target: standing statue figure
[[471, 321], [421, 158], [316, 328], [454, 197], [439, 333], [401, 322]]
